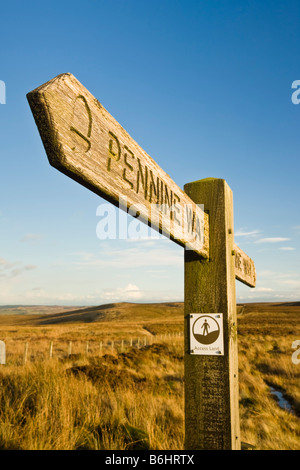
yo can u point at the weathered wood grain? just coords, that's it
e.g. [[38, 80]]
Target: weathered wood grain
[[244, 267], [86, 143], [211, 382]]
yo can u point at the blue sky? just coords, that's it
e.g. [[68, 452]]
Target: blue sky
[[204, 87]]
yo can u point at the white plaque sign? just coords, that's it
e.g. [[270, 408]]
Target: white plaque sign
[[206, 334]]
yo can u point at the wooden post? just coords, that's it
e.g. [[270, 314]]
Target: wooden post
[[87, 348], [2, 353], [100, 346], [211, 381], [69, 118], [51, 350], [25, 353], [70, 348]]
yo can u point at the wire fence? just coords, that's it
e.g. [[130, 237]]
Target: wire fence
[[21, 352]]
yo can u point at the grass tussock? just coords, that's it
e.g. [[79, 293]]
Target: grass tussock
[[132, 399], [127, 401], [266, 334]]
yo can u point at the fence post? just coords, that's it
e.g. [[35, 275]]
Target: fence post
[[211, 381], [25, 353], [2, 353], [100, 346], [51, 350], [70, 348]]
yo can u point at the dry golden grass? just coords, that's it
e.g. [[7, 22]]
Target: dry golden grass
[[266, 334], [110, 402], [134, 399], [263, 422]]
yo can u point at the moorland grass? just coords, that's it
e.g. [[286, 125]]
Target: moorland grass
[[133, 399]]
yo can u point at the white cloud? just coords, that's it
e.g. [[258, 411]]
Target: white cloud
[[291, 282], [142, 255], [3, 262], [297, 229], [32, 237], [241, 233], [272, 240], [44, 297], [272, 285], [130, 292], [287, 248], [84, 255], [150, 240], [277, 275], [264, 289], [10, 269]]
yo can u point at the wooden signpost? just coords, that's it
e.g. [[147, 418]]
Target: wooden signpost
[[86, 143]]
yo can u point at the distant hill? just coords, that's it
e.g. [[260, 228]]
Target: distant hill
[[131, 313], [124, 311], [33, 309]]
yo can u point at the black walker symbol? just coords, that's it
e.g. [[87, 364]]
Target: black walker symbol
[[205, 336], [205, 326]]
